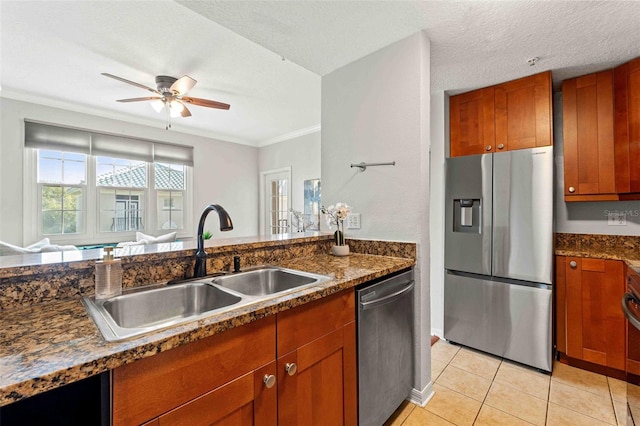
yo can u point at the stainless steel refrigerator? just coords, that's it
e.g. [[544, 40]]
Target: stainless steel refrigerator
[[499, 254]]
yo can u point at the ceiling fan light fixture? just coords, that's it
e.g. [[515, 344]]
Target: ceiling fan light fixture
[[175, 108], [157, 105]]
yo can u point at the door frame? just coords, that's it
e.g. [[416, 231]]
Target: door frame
[[263, 207]]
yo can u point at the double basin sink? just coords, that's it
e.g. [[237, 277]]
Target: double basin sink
[[150, 308]]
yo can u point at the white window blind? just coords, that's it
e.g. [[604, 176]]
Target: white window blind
[[53, 137], [44, 136], [121, 147]]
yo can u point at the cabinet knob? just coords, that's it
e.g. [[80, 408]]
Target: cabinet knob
[[291, 368], [487, 148], [572, 189], [269, 380], [501, 146], [573, 264]]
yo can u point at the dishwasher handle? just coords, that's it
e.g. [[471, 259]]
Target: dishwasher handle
[[635, 321], [388, 298]]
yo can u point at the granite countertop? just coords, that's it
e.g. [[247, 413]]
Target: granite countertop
[[625, 248], [50, 344]]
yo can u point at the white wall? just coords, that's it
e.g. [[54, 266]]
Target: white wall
[[302, 154], [585, 217], [376, 109], [439, 134], [224, 173]]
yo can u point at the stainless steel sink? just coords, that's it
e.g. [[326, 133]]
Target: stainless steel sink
[[150, 308], [267, 280]]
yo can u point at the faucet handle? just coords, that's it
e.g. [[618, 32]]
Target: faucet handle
[[236, 263]]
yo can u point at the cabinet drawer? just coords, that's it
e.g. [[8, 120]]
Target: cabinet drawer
[[152, 386], [301, 325]]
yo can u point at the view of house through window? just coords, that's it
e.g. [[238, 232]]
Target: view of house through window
[[121, 186], [170, 187]]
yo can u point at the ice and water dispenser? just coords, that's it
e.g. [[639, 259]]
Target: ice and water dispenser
[[466, 215]]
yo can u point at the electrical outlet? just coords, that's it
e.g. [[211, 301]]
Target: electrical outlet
[[353, 221], [617, 219]]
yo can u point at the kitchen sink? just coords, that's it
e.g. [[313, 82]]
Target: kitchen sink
[[267, 280], [150, 308]]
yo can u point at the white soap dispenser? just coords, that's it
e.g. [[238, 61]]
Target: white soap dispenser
[[108, 275]]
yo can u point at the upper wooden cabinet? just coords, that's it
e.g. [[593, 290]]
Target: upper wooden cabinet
[[512, 115], [524, 113], [472, 122], [601, 132], [589, 162], [627, 127]]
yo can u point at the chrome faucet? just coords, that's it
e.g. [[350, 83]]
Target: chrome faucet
[[200, 269]]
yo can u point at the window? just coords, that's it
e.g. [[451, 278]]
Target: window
[[170, 188], [121, 193], [91, 188], [61, 187]]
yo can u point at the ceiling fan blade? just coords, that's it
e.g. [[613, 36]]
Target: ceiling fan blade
[[182, 85], [205, 103], [148, 98], [133, 83], [185, 111]]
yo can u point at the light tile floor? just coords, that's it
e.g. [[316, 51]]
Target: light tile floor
[[473, 388]]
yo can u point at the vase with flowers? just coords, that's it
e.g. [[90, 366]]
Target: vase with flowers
[[335, 215]]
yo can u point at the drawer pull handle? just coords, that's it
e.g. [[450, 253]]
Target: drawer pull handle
[[269, 380], [573, 264], [291, 368]]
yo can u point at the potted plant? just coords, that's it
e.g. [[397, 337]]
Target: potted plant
[[335, 215]]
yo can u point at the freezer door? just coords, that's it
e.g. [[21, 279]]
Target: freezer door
[[523, 214], [508, 320], [468, 214]]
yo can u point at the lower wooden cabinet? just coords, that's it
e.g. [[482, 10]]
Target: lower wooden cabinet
[[590, 325], [247, 376], [317, 378]]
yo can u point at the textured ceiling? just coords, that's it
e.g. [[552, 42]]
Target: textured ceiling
[[473, 43], [53, 52]]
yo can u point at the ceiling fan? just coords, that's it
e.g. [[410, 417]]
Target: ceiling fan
[[170, 95]]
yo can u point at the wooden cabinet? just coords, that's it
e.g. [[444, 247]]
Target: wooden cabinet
[[627, 128], [590, 325], [317, 379], [524, 113], [589, 161], [512, 115], [472, 122], [211, 379], [227, 378], [601, 132]]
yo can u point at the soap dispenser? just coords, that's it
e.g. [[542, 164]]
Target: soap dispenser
[[108, 275]]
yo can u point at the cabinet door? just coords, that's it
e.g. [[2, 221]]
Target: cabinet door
[[587, 114], [471, 118], [595, 323], [152, 386], [317, 382], [244, 401], [523, 113], [627, 126]]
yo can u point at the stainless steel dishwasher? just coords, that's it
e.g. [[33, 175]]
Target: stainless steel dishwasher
[[385, 347]]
